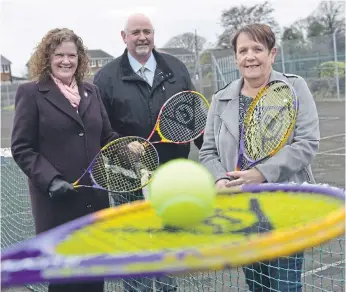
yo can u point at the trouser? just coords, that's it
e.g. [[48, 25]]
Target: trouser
[[145, 284], [77, 287], [279, 275]]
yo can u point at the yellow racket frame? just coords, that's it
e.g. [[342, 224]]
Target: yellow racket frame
[[107, 259], [293, 121], [282, 242], [157, 125]]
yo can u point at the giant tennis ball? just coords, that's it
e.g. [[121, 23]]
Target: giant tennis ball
[[182, 192]]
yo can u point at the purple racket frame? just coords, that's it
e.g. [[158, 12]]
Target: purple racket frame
[[33, 260], [95, 185]]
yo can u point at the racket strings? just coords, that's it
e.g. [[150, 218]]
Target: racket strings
[[118, 168], [143, 231], [236, 218], [184, 117], [149, 238], [268, 122]]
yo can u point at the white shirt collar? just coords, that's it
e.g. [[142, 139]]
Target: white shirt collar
[[136, 66]]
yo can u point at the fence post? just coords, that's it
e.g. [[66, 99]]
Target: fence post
[[213, 67], [8, 95], [336, 64], [282, 57], [218, 69], [198, 63]]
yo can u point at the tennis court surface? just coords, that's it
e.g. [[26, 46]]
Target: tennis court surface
[[324, 265]]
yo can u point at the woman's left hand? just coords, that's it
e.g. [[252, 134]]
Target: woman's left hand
[[251, 176]]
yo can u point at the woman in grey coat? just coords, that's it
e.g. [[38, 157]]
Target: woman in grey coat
[[254, 48]]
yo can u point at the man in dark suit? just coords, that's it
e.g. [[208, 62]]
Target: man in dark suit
[[134, 87]]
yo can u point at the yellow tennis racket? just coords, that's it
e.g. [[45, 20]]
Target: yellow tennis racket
[[249, 224], [268, 123], [121, 168], [182, 118]]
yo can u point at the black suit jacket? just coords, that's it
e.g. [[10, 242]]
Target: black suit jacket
[[133, 106]]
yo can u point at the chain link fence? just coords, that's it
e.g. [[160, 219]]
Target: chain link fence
[[319, 60]]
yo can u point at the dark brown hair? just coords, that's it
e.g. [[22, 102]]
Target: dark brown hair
[[39, 63], [258, 32]]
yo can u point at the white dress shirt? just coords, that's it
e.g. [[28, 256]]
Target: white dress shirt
[[150, 67]]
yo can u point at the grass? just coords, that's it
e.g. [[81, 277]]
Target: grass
[[8, 108]]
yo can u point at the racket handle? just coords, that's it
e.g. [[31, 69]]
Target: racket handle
[[83, 186], [164, 140], [75, 185], [146, 144]]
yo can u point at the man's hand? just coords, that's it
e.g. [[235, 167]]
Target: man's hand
[[251, 176], [136, 147], [59, 188]]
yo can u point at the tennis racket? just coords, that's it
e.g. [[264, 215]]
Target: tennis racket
[[120, 168], [250, 223], [268, 123], [182, 118]]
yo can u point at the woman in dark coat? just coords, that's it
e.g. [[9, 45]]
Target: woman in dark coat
[[60, 124]]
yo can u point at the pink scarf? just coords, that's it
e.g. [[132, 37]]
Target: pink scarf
[[70, 92]]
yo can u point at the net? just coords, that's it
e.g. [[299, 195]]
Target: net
[[322, 270]]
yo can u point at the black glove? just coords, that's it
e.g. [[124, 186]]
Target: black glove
[[59, 188]]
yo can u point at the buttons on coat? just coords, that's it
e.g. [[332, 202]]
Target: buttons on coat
[[81, 134], [88, 206]]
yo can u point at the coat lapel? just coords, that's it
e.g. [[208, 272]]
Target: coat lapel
[[53, 95], [85, 92], [230, 116]]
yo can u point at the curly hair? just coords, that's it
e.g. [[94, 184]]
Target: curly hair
[[39, 63]]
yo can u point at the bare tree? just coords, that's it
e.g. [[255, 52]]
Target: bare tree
[[292, 39], [292, 33], [235, 17], [330, 15], [325, 20], [187, 41]]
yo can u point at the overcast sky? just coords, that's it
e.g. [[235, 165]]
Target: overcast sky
[[24, 22]]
